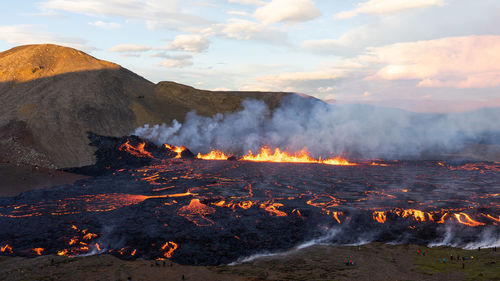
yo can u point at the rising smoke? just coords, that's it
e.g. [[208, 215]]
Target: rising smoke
[[325, 130]]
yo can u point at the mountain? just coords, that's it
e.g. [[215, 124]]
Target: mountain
[[52, 95]]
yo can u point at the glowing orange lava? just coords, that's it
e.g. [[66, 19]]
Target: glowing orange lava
[[379, 216], [416, 214], [465, 219], [196, 212], [6, 249], [138, 151], [213, 155], [302, 156], [176, 149], [170, 247], [38, 251], [272, 208]]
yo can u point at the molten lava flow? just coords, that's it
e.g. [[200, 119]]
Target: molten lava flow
[[302, 156], [170, 247], [62, 252], [213, 155], [379, 216], [465, 219], [491, 217], [38, 251], [416, 214], [271, 208], [138, 151], [243, 204], [176, 149], [89, 236], [6, 249], [443, 217], [196, 212]]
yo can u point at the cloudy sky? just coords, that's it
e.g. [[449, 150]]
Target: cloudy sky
[[421, 55]]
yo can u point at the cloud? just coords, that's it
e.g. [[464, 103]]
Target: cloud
[[309, 82], [169, 56], [238, 13], [123, 48], [157, 14], [31, 34], [175, 63], [387, 7], [248, 2], [477, 18], [452, 62], [105, 25], [242, 29], [289, 11], [189, 42]]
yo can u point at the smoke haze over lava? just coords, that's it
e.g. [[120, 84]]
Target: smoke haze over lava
[[358, 130]]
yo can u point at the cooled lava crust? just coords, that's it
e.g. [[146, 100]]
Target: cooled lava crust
[[148, 201]]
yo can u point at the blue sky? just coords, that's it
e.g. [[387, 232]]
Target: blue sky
[[421, 55]]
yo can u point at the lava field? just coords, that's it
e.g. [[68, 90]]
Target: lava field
[[151, 202]]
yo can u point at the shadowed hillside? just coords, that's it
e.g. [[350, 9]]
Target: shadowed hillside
[[52, 95]]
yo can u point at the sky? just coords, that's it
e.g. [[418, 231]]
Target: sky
[[418, 55]]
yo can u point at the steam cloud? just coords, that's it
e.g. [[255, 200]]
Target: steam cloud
[[325, 130]]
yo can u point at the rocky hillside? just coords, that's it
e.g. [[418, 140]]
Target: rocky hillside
[[52, 95]]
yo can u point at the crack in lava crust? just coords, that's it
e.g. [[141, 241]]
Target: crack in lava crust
[[213, 212]]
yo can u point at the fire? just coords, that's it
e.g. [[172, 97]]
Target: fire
[[302, 156], [138, 151], [6, 248], [38, 251], [133, 252], [379, 216], [213, 155], [170, 247], [465, 219], [176, 149]]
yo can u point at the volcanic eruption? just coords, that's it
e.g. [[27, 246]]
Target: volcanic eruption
[[272, 174]]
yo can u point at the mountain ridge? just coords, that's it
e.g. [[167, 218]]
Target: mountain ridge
[[54, 95]]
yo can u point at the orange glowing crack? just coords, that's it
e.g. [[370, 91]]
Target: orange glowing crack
[[302, 156]]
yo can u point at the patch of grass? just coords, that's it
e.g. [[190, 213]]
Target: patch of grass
[[480, 265]]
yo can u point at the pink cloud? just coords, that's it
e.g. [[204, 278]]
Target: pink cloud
[[452, 62]]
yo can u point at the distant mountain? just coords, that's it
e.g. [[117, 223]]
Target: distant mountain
[[52, 95]]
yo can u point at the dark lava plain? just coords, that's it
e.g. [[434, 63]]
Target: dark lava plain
[[198, 212]]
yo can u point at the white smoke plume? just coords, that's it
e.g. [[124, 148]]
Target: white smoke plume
[[325, 130]]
